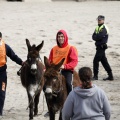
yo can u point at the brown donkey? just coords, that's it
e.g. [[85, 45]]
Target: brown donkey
[[55, 87], [32, 77]]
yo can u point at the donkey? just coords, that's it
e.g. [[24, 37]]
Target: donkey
[[55, 87], [32, 77]]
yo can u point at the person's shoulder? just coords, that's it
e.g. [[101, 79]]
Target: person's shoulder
[[7, 46], [54, 46], [73, 47], [72, 95], [105, 26], [99, 90]]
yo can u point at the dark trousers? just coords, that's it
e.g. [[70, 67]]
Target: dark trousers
[[100, 57], [68, 76], [3, 84]]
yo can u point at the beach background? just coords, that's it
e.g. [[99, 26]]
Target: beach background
[[41, 21]]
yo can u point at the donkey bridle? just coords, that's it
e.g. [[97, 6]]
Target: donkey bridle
[[55, 92]]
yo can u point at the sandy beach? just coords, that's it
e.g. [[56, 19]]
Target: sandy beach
[[41, 21]]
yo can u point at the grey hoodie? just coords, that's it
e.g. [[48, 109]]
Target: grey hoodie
[[86, 104]]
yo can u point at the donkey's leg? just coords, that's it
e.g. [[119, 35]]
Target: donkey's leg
[[36, 101], [31, 105], [60, 116], [51, 114]]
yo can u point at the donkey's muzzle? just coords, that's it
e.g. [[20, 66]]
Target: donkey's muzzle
[[48, 92], [33, 71], [48, 95]]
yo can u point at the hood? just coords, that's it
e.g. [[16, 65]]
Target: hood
[[65, 38], [84, 93]]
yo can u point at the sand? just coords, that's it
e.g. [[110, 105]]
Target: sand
[[41, 21]]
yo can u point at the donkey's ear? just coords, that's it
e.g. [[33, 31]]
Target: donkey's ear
[[28, 44], [57, 67], [39, 47], [46, 62]]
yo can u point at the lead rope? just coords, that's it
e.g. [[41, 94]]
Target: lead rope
[[72, 82], [43, 105], [43, 93], [19, 71]]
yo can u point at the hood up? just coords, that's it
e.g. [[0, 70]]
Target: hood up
[[65, 38]]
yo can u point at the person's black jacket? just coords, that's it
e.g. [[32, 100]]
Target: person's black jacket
[[100, 38], [10, 53]]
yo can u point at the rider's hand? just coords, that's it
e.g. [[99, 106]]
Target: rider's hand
[[23, 63], [62, 67]]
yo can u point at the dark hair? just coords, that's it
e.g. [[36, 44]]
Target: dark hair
[[0, 34], [85, 74], [59, 33]]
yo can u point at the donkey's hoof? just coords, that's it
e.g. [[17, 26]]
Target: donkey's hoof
[[36, 112], [31, 118], [46, 114]]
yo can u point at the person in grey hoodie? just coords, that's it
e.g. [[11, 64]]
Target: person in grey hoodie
[[87, 102]]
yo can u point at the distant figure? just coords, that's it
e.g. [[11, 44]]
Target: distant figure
[[100, 36], [5, 50], [87, 102]]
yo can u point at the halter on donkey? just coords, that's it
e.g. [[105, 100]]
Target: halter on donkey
[[32, 77]]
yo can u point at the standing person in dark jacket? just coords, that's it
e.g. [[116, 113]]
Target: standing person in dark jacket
[[100, 36], [5, 50]]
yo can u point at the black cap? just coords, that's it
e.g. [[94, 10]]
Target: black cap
[[101, 17]]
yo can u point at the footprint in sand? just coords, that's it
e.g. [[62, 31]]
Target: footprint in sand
[[114, 54], [79, 43], [44, 35]]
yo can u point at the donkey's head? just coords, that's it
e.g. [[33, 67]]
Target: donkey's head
[[53, 78], [33, 56]]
